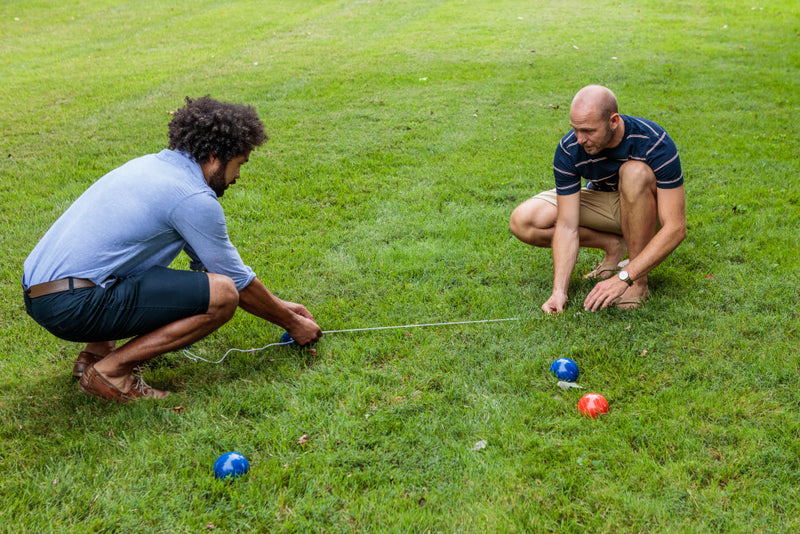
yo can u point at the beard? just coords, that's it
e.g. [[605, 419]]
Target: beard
[[217, 181], [599, 146]]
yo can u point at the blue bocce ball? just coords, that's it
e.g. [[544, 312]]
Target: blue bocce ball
[[230, 465], [565, 369], [287, 339]]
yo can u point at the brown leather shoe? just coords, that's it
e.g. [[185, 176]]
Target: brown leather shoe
[[93, 383], [85, 359]]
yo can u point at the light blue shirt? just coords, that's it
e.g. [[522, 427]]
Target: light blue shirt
[[137, 216]]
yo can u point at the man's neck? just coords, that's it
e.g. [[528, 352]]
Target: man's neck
[[619, 135]]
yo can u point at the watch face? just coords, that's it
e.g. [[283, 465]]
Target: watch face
[[623, 275]]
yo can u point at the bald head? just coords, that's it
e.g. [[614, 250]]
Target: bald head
[[595, 98], [595, 119]]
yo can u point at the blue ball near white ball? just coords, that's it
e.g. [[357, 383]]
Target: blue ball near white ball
[[565, 369]]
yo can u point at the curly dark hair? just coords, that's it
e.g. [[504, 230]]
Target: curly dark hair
[[206, 127]]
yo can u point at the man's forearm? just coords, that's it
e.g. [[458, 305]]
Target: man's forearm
[[566, 244], [662, 245], [258, 300]]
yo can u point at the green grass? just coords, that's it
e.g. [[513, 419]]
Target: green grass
[[403, 133]]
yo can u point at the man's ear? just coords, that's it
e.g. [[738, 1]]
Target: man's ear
[[210, 166]]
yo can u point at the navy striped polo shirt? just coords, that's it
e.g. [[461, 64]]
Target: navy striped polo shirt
[[644, 140]]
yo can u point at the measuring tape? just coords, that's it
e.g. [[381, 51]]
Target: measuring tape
[[286, 340]]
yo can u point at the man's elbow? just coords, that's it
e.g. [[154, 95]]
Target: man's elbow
[[679, 234]]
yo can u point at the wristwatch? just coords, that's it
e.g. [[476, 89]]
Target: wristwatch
[[625, 277]]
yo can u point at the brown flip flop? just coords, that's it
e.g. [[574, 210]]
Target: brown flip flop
[[602, 271], [631, 303]]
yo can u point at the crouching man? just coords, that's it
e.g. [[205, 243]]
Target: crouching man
[[100, 273], [633, 202]]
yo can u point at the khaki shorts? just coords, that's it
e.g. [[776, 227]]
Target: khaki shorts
[[599, 209]]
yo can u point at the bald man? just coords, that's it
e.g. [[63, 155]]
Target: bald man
[[633, 202]]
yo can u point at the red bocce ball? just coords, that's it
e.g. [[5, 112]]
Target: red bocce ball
[[592, 405]]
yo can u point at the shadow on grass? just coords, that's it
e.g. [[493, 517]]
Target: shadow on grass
[[51, 404]]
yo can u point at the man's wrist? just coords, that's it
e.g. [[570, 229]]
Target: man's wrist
[[560, 293]]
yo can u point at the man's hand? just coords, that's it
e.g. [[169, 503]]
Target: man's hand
[[299, 309], [295, 318], [304, 331], [604, 294], [556, 303]]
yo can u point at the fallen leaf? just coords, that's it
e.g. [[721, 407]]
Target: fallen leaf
[[303, 439], [178, 409]]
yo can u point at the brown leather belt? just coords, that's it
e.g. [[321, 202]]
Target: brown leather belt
[[56, 286]]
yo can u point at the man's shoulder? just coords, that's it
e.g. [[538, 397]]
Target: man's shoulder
[[568, 145], [569, 138], [641, 126], [165, 159], [163, 166], [167, 177]]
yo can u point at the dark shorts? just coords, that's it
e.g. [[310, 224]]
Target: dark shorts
[[126, 308]]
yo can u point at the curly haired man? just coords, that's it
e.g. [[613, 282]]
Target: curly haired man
[[101, 273]]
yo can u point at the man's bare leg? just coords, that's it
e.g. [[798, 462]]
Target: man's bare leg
[[639, 214], [93, 353], [117, 367], [534, 221], [101, 348]]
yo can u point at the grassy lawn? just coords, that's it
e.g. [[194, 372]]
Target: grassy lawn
[[402, 134]]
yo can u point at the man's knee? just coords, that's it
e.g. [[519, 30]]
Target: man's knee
[[516, 221], [635, 179], [533, 214], [223, 296]]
